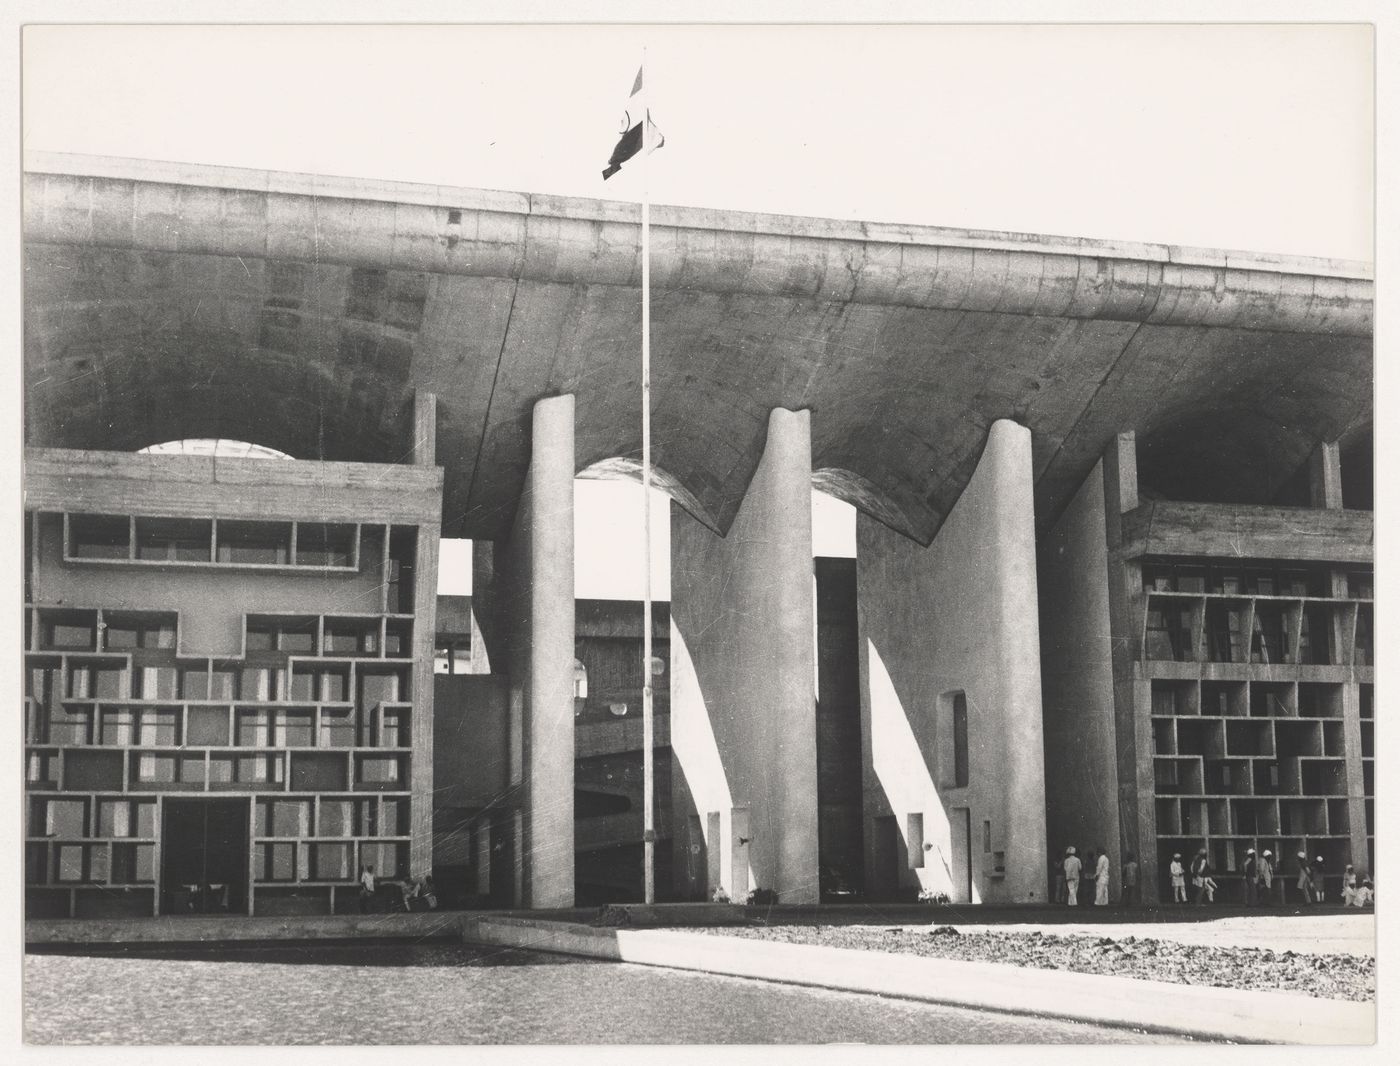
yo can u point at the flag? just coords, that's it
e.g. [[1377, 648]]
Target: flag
[[630, 143]]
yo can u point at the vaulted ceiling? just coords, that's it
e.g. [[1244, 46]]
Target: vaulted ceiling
[[165, 302]]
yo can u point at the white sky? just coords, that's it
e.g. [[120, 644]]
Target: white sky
[[1250, 137]]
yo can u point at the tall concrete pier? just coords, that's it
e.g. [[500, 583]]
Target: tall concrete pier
[[743, 723], [535, 592]]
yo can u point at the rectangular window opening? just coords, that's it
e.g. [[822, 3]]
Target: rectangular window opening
[[914, 834]]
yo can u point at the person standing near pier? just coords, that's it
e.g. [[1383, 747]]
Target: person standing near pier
[[1101, 879], [1072, 868]]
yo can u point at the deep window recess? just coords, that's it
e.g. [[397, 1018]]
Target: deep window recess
[[403, 544], [1225, 632], [1168, 632], [173, 539], [325, 544], [1271, 641], [255, 543], [93, 536]]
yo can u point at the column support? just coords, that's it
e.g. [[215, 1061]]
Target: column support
[[1325, 489], [1325, 475], [743, 712], [1132, 695], [535, 598], [425, 577]]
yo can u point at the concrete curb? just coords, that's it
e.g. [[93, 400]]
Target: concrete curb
[[239, 928], [1189, 1010]]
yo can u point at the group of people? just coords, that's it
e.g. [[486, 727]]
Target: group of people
[[1071, 870], [415, 894], [1357, 890], [1200, 873], [1260, 875]]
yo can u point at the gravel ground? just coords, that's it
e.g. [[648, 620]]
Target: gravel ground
[[1339, 976]]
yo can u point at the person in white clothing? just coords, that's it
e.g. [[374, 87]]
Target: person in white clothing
[[368, 887], [1365, 895], [1266, 877], [1101, 880], [1072, 868], [1178, 873]]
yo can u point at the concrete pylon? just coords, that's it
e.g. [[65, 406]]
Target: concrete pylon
[[534, 593], [953, 750], [743, 722]]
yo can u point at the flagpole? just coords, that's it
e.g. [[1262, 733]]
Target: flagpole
[[648, 761]]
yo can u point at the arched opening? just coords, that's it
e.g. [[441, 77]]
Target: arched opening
[[833, 526], [609, 674], [221, 447], [863, 495], [609, 547]]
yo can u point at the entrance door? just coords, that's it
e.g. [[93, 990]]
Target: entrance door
[[886, 859], [204, 856]]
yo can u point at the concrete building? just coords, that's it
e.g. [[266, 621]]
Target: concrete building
[[225, 712], [1111, 589], [1210, 673]]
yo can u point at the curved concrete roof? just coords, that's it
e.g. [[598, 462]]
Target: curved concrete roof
[[167, 301]]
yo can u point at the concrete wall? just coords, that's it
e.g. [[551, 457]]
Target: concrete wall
[[534, 603], [743, 728], [471, 739], [1077, 680], [211, 602], [958, 616]]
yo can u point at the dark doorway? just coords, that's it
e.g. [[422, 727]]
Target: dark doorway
[[839, 824], [204, 850], [887, 860]]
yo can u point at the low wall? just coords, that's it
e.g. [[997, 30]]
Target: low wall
[[239, 928]]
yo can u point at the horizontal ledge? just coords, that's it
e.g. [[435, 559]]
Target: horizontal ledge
[[545, 205], [211, 564], [573, 241]]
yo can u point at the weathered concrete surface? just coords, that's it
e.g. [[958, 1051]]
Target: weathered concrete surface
[[1076, 657], [1170, 527], [211, 602], [302, 312], [743, 675], [534, 599], [1209, 1013], [956, 617]]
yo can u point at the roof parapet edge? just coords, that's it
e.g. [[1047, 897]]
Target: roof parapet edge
[[678, 217]]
